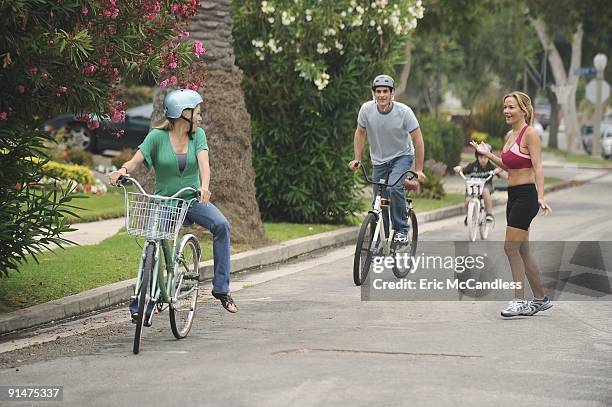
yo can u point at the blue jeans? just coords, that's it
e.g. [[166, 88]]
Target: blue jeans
[[212, 219], [390, 171]]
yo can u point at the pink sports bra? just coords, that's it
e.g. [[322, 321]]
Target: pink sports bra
[[513, 158]]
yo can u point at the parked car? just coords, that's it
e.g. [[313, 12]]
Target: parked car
[[542, 112], [135, 128], [586, 133]]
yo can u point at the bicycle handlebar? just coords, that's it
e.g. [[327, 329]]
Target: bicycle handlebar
[[412, 173], [126, 179], [491, 173]]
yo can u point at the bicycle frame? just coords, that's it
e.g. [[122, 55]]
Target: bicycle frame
[[377, 210], [161, 287]]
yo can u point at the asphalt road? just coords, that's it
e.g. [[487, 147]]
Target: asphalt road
[[303, 337]]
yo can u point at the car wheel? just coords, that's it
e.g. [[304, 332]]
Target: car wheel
[[79, 137]]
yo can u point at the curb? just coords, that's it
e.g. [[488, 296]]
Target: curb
[[112, 294]]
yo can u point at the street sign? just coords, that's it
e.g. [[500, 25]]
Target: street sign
[[586, 71], [591, 90]]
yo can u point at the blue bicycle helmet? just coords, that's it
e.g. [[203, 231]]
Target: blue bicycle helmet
[[178, 100]]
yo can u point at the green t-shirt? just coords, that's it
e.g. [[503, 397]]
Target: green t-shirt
[[158, 152]]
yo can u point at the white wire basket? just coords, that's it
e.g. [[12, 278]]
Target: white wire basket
[[154, 217], [475, 185]]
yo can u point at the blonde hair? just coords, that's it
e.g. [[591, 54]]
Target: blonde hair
[[524, 103], [164, 124]]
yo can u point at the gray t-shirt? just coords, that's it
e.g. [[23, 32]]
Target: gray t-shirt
[[388, 133]]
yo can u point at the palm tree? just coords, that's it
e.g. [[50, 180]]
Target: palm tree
[[227, 124]]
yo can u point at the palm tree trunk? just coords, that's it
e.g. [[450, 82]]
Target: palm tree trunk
[[227, 124]]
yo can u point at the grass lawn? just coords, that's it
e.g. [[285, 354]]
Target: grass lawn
[[76, 269], [98, 207]]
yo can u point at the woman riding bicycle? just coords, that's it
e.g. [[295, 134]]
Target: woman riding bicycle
[[480, 168], [178, 151]]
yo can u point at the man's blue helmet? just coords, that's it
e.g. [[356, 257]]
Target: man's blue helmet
[[383, 80], [178, 100]]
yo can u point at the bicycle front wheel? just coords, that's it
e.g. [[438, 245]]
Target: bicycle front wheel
[[485, 227], [403, 263], [144, 294], [472, 219], [364, 251], [185, 294]]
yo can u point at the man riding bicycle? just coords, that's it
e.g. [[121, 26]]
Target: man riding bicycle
[[396, 143]]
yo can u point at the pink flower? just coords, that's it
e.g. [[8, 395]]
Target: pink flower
[[172, 80], [164, 83], [84, 10], [92, 124], [50, 42], [192, 86], [172, 65], [62, 89], [34, 70], [198, 49], [119, 134], [3, 116], [118, 116], [45, 75], [89, 69], [21, 88]]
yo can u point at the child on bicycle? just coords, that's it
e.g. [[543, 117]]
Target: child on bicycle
[[480, 168]]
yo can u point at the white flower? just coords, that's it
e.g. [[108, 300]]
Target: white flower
[[271, 20], [322, 49], [343, 14], [329, 32], [339, 45], [267, 9], [360, 10], [372, 23], [308, 17]]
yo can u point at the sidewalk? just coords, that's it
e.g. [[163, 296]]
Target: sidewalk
[[106, 296]]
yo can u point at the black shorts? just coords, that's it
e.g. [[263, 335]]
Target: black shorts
[[522, 205]]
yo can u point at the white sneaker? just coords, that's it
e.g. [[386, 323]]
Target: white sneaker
[[515, 308], [400, 238], [538, 305]]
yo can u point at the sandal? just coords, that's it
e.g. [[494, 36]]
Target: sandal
[[227, 301]]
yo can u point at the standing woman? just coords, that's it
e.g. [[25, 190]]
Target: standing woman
[[521, 157], [178, 151]]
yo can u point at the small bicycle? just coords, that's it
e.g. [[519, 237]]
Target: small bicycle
[[476, 214], [372, 240], [158, 220]]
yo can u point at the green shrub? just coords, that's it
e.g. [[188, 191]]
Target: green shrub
[[79, 157], [432, 187], [307, 68], [443, 140], [488, 118]]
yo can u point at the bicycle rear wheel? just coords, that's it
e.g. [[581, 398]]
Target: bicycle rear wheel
[[144, 294], [472, 219], [187, 268], [364, 250], [403, 264]]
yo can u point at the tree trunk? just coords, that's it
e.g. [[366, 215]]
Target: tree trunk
[[565, 82], [227, 125], [553, 124]]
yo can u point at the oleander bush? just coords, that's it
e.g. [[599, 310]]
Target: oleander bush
[[73, 57], [308, 65]]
